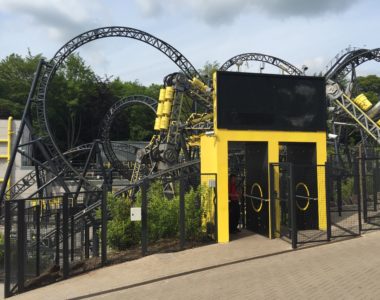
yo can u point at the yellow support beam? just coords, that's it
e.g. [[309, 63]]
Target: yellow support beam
[[8, 142]]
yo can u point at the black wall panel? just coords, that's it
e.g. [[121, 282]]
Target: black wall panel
[[250, 101]]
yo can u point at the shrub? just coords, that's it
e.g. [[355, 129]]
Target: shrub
[[122, 233], [163, 217]]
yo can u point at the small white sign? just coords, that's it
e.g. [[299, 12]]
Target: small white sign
[[135, 213], [211, 183]]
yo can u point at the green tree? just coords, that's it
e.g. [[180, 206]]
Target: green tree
[[370, 86], [16, 75], [208, 69]]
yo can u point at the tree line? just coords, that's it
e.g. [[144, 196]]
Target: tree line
[[78, 99]]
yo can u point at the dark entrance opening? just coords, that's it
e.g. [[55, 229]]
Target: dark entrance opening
[[249, 162]]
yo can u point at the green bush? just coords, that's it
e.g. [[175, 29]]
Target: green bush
[[121, 232], [163, 217]]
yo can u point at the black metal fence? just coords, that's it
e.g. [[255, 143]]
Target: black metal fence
[[52, 238], [351, 193], [46, 239], [343, 195], [295, 210], [178, 212]]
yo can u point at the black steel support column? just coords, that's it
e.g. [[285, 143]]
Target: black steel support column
[[38, 238], [144, 219], [65, 235], [182, 230], [7, 248], [20, 245], [292, 206], [104, 224], [20, 130]]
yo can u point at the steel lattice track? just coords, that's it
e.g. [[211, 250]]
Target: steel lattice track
[[51, 67], [30, 179], [345, 65], [350, 61], [107, 124], [180, 166], [275, 61]]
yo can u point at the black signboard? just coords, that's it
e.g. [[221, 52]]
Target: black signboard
[[250, 101]]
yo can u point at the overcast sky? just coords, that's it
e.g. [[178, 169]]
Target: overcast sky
[[309, 32]]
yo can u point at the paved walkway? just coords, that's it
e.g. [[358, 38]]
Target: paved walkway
[[247, 268]]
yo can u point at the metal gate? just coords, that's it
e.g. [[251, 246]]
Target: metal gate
[[294, 203], [281, 194]]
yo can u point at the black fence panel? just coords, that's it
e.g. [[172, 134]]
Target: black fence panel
[[369, 187], [344, 199], [44, 239], [295, 203]]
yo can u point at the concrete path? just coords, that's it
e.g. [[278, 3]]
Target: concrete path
[[252, 267]]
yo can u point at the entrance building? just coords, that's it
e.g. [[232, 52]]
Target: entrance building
[[261, 120]]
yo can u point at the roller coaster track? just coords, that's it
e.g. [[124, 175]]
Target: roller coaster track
[[107, 124], [30, 179], [350, 61], [342, 67], [51, 67], [359, 116], [275, 61], [180, 166]]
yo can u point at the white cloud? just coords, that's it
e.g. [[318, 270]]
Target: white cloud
[[216, 12], [61, 18]]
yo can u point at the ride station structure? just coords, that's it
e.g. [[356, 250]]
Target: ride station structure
[[267, 115]]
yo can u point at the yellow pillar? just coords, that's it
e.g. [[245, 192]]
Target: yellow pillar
[[9, 147], [321, 181], [273, 157]]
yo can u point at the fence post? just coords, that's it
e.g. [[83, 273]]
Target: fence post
[[104, 224], [72, 234], [375, 184], [144, 217], [65, 235], [7, 248], [292, 206], [57, 226], [364, 189], [95, 239], [357, 191], [182, 231], [339, 193], [329, 187], [272, 202], [38, 238], [20, 245], [86, 241]]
